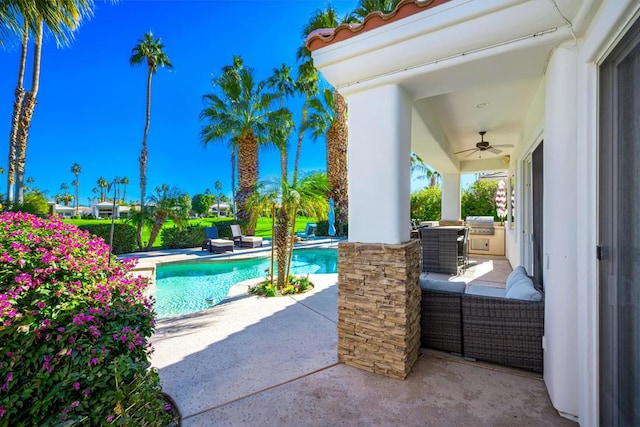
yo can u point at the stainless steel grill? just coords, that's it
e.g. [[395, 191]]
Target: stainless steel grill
[[480, 225]]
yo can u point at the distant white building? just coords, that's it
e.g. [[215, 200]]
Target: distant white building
[[106, 209], [225, 209]]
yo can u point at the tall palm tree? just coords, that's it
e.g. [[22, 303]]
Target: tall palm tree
[[75, 170], [284, 86], [324, 120], [61, 18], [102, 184], [338, 189], [124, 181], [218, 187], [238, 112], [149, 51], [166, 203], [424, 172], [307, 85]]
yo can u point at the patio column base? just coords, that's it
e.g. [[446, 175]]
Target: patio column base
[[379, 306]]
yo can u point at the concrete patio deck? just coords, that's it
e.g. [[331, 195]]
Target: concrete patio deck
[[272, 362]]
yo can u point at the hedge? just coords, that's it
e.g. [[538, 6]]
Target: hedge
[[124, 236]]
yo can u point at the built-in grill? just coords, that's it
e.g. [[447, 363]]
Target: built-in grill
[[480, 225]]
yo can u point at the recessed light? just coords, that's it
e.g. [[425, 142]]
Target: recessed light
[[483, 105]]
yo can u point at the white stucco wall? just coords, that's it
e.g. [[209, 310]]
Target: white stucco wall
[[560, 237], [451, 203], [532, 134], [379, 167]]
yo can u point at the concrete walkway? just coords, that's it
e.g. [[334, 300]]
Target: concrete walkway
[[253, 361]]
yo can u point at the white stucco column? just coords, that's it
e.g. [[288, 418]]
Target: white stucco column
[[450, 196], [379, 175], [560, 235]]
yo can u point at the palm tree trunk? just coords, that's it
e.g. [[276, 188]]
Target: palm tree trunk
[[15, 118], [293, 237], [143, 152], [143, 156], [248, 177], [124, 193], [26, 113], [341, 189], [282, 240], [155, 229], [233, 181], [299, 146], [77, 197]]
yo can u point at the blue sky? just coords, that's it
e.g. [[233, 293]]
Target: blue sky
[[91, 102]]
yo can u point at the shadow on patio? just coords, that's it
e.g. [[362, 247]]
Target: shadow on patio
[[257, 361]]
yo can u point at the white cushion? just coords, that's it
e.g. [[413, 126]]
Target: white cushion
[[523, 289], [518, 273], [486, 291], [441, 285]]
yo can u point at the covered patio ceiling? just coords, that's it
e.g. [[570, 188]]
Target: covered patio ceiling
[[468, 66]]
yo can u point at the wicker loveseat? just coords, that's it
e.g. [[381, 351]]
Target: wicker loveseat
[[490, 327]]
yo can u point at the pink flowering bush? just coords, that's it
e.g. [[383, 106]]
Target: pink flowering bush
[[73, 331]]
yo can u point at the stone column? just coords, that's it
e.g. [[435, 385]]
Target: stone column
[[451, 204], [379, 307]]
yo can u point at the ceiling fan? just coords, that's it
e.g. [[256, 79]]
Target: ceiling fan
[[485, 146]]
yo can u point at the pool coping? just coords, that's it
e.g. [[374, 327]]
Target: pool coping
[[148, 261]]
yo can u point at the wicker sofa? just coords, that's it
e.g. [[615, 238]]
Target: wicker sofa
[[488, 327]]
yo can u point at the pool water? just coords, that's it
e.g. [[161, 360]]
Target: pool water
[[189, 287]]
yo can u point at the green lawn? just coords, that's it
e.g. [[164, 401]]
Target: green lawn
[[263, 228]]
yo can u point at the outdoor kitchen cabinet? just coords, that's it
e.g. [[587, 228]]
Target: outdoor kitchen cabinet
[[441, 249]]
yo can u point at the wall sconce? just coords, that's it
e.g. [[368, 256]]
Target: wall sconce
[[506, 159]]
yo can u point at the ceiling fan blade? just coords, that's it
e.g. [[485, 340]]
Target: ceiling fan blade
[[464, 151], [494, 150], [472, 152], [503, 145]]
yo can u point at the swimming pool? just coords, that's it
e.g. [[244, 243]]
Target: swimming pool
[[189, 287]]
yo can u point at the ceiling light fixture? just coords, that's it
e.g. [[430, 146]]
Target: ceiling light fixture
[[482, 105]]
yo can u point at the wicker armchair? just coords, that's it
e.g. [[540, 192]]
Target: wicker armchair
[[441, 322], [504, 331]]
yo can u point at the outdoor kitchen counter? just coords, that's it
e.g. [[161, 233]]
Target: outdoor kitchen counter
[[441, 249]]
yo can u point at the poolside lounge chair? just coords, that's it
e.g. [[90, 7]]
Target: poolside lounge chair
[[309, 232], [242, 240], [212, 243]]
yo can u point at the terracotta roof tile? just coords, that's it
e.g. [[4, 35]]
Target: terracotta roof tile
[[327, 36]]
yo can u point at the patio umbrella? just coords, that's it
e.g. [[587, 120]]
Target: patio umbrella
[[501, 201], [331, 218]]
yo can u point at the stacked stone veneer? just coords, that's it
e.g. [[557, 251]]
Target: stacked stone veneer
[[379, 306]]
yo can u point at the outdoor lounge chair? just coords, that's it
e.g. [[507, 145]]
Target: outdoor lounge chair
[[309, 232], [244, 241], [212, 243]]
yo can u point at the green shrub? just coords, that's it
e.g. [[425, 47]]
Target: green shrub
[[124, 235], [480, 200], [34, 203], [322, 228], [190, 236], [426, 204], [74, 330]]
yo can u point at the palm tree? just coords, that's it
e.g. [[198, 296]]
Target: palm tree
[[338, 189], [238, 112], [285, 87], [324, 119], [124, 181], [306, 196], [418, 166], [75, 170], [61, 18], [307, 85], [218, 187], [167, 203], [102, 184], [149, 51]]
